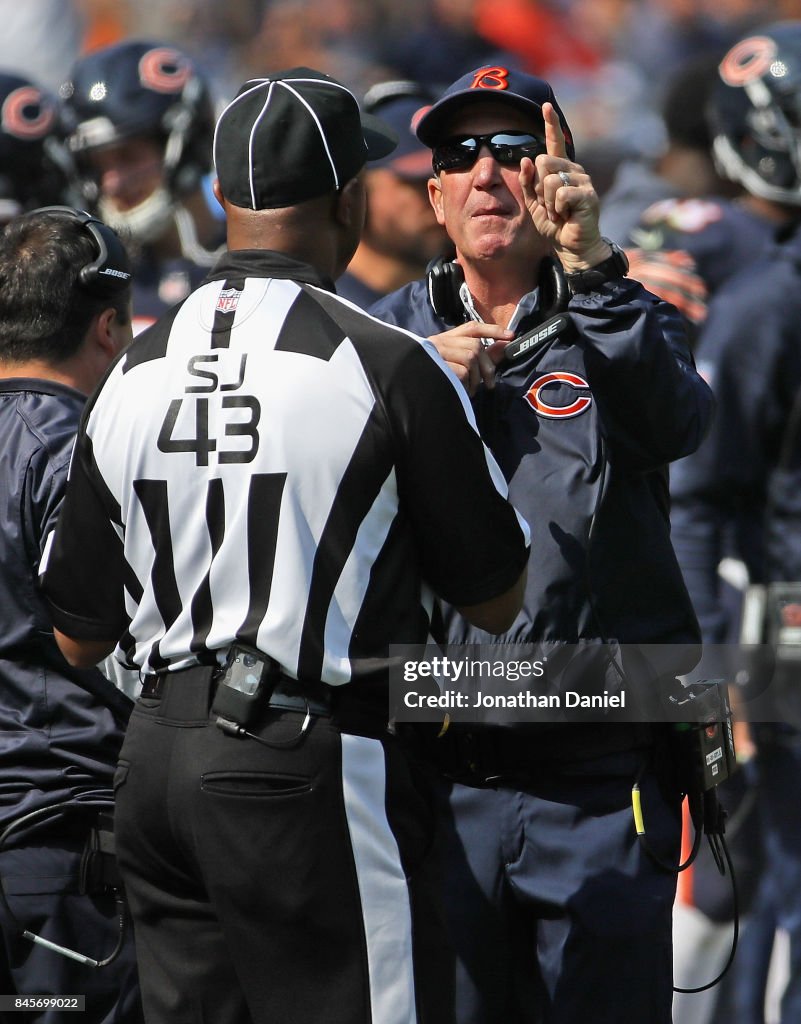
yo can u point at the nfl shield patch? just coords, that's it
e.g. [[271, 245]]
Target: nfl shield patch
[[228, 300]]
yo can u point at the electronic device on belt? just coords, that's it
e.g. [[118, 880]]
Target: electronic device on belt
[[707, 734], [247, 683]]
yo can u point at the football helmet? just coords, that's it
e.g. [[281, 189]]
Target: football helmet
[[35, 164], [755, 113], [148, 89]]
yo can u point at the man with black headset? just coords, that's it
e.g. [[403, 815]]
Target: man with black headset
[[65, 296], [557, 911]]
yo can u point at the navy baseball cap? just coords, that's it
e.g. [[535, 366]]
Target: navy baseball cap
[[400, 104], [516, 88], [292, 136]]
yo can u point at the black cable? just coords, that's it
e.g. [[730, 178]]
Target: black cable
[[710, 817], [54, 812], [639, 824], [231, 728], [735, 923]]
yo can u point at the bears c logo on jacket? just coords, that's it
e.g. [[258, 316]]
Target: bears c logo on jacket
[[536, 399]]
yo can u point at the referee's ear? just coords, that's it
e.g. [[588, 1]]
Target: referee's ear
[[351, 203], [349, 214]]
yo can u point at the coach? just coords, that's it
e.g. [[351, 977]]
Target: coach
[[550, 894]]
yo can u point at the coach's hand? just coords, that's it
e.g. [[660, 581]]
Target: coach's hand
[[562, 201], [466, 354]]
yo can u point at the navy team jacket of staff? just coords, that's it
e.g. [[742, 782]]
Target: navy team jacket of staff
[[591, 446], [47, 758]]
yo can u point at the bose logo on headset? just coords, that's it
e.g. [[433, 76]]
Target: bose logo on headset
[[110, 271]]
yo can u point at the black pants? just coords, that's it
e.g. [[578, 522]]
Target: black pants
[[289, 884]]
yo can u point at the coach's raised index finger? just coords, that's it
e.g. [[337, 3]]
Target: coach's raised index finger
[[554, 136]]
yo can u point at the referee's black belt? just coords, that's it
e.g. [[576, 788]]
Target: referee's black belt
[[288, 695]]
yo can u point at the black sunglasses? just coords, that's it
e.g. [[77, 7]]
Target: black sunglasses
[[508, 148]]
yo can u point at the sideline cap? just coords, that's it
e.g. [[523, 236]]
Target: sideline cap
[[293, 136], [400, 104], [496, 83]]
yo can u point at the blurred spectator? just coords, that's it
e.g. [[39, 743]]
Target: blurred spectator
[[661, 35], [401, 234], [105, 22], [542, 35], [443, 44], [342, 36], [684, 167], [218, 43]]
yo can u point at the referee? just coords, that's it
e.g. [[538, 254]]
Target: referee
[[268, 491]]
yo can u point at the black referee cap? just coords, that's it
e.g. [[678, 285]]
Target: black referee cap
[[292, 136]]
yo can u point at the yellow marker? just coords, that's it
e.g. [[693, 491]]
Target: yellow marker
[[636, 806]]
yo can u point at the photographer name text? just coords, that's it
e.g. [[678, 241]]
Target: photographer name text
[[522, 699]]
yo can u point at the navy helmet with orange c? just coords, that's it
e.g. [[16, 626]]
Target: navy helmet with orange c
[[35, 165], [755, 113], [139, 88]]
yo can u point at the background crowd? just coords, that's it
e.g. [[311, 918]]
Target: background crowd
[[608, 60]]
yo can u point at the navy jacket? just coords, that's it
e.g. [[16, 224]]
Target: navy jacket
[[60, 728], [746, 478], [584, 428]]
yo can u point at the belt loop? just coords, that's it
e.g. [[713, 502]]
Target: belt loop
[[185, 694]]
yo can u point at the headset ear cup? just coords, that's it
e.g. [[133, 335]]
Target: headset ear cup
[[110, 271], [554, 290], [444, 279], [88, 276]]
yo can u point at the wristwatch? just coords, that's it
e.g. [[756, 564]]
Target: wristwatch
[[611, 269]]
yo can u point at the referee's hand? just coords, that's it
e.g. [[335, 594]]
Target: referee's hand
[[467, 353]]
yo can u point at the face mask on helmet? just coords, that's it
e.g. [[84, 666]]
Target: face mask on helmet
[[143, 223], [35, 164], [755, 113], [140, 90]]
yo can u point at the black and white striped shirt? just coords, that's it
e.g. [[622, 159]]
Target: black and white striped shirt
[[270, 464]]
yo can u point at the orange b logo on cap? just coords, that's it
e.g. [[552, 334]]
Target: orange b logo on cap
[[490, 78]]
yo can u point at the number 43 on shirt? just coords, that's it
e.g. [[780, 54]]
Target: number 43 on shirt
[[235, 426]]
